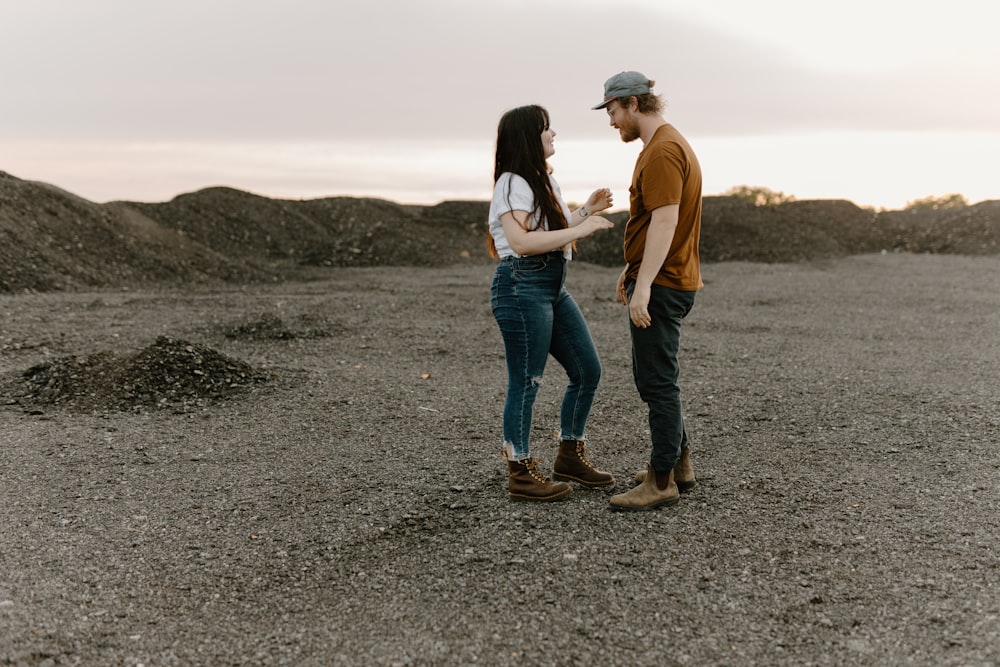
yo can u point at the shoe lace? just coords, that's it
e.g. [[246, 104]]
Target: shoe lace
[[530, 465], [581, 452]]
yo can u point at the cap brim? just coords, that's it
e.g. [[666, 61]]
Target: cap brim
[[602, 104]]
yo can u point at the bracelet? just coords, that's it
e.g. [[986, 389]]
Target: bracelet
[[584, 212]]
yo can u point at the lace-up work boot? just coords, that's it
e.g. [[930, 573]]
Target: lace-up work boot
[[573, 465], [683, 472], [656, 489], [526, 483]]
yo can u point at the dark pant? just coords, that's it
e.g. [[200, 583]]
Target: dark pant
[[656, 371], [537, 317]]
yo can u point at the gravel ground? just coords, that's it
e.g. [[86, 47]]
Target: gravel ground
[[348, 506]]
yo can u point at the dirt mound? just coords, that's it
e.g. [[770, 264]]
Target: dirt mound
[[736, 230], [335, 231], [170, 373], [973, 230], [792, 232], [372, 232], [269, 326], [52, 240], [239, 224]]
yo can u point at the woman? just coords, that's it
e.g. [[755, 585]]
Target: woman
[[532, 233]]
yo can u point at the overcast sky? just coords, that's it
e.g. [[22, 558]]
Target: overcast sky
[[117, 99]]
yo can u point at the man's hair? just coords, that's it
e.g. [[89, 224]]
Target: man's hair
[[648, 103]]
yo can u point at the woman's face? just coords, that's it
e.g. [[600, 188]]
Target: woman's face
[[548, 148]]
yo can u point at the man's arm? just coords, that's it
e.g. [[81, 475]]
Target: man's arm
[[659, 236]]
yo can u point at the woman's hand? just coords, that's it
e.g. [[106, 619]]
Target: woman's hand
[[620, 293], [592, 224], [600, 200]]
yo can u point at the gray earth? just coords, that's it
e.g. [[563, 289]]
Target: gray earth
[[347, 504]]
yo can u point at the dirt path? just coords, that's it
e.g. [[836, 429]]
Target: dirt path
[[351, 509]]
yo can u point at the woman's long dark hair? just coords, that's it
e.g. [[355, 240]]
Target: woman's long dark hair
[[519, 151]]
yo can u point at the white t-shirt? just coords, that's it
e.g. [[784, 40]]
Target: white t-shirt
[[512, 193]]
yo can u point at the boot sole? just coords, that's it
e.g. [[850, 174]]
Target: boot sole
[[639, 508], [591, 485], [517, 498]]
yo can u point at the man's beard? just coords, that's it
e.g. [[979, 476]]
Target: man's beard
[[629, 132]]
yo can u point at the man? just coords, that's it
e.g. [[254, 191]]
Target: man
[[661, 276]]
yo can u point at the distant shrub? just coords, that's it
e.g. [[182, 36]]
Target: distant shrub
[[936, 203], [758, 196]]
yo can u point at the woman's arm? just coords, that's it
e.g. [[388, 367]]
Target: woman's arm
[[539, 241]]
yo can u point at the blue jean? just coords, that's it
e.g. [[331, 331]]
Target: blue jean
[[657, 371], [537, 317]]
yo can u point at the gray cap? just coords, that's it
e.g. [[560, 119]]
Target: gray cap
[[623, 85]]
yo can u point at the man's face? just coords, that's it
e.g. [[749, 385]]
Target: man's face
[[624, 121]]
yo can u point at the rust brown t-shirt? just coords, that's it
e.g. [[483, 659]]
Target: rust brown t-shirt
[[666, 172]]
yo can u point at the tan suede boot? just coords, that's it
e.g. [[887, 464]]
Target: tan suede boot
[[683, 472], [648, 495], [526, 483], [573, 465]]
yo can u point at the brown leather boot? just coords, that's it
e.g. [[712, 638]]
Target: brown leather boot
[[655, 490], [525, 482], [683, 472], [573, 465]]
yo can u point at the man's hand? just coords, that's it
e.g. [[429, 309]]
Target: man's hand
[[638, 306]]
